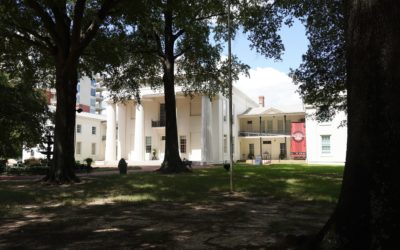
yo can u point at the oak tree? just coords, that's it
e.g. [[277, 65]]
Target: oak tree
[[54, 34]]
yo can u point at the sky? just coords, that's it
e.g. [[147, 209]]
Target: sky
[[268, 77]]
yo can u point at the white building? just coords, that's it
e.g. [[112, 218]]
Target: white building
[[90, 125], [326, 141], [89, 95], [89, 138], [266, 131], [134, 131]]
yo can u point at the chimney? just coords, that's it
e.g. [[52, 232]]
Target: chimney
[[261, 101]]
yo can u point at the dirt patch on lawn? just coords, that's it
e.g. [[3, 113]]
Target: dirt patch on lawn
[[235, 222]]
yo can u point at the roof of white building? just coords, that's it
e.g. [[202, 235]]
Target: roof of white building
[[289, 109], [91, 116], [147, 92]]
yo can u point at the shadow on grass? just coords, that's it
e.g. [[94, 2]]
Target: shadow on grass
[[146, 210]]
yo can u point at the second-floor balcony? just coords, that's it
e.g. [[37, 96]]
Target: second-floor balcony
[[157, 124], [264, 133], [99, 97]]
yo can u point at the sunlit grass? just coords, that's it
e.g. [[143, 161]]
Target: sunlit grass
[[299, 182]]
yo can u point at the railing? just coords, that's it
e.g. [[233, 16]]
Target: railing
[[264, 133], [157, 124]]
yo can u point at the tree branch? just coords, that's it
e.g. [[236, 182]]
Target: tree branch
[[157, 38], [37, 44], [45, 17], [79, 9], [23, 30], [62, 21], [183, 51], [178, 34], [96, 22]]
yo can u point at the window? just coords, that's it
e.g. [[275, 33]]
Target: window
[[93, 82], [93, 92], [162, 114], [148, 144], [250, 126], [325, 144], [269, 125], [251, 149], [224, 108], [163, 138], [182, 140], [93, 130], [262, 126], [78, 128], [288, 125], [225, 144], [93, 102], [78, 148], [93, 148], [280, 126], [78, 88], [32, 153], [282, 151], [78, 99], [266, 142]]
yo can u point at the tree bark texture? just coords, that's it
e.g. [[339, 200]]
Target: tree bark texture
[[62, 168], [367, 214], [172, 162]]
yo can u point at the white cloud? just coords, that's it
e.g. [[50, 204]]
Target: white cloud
[[276, 86]]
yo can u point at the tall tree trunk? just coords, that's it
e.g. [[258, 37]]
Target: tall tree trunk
[[368, 211], [62, 167], [172, 161]]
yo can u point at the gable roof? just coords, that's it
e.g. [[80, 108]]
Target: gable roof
[[271, 111]]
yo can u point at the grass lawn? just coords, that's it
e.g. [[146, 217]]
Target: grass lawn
[[170, 211]]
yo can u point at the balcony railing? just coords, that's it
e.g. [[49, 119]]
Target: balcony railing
[[157, 124], [264, 133]]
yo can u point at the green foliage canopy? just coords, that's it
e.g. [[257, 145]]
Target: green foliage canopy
[[23, 115]]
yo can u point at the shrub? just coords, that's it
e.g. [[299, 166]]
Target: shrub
[[2, 166], [25, 170], [88, 162], [33, 162]]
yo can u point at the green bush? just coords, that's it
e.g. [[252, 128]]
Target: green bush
[[27, 170], [88, 162], [2, 166], [33, 162]]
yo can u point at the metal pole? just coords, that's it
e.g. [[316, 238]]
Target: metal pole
[[230, 97]]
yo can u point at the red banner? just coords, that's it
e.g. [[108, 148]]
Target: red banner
[[298, 142]]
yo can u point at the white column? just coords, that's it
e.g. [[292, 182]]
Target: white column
[[110, 133], [139, 134], [206, 150], [121, 117]]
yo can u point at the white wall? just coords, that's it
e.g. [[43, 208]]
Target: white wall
[[338, 139], [86, 138]]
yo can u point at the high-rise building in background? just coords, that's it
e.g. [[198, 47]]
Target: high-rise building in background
[[89, 95]]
